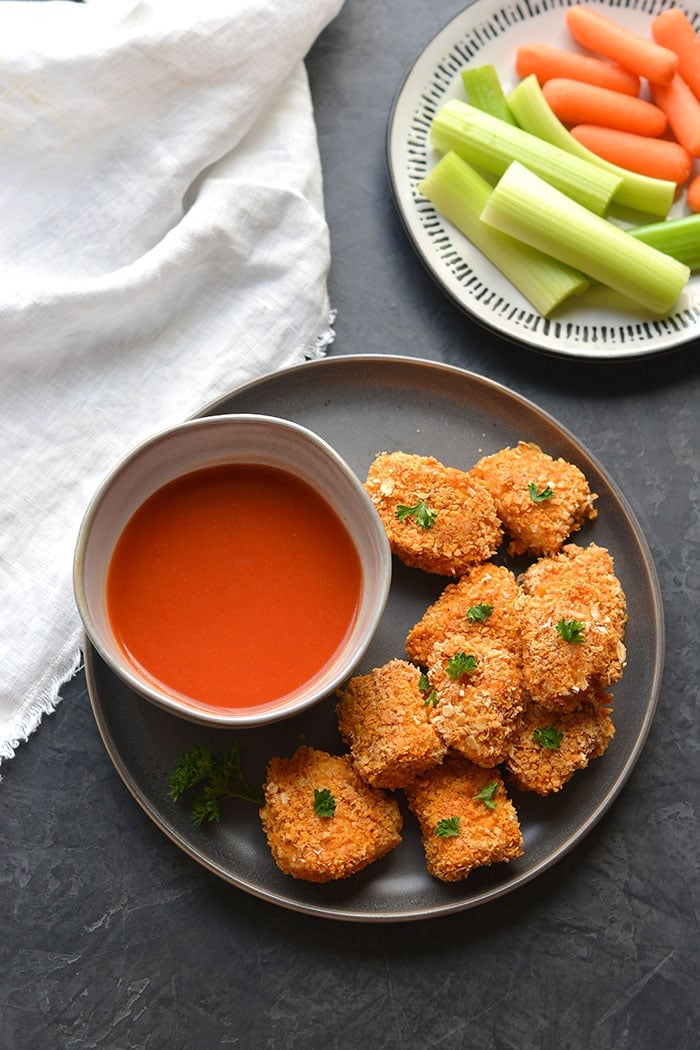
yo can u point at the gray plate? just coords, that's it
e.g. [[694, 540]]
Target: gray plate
[[363, 405]]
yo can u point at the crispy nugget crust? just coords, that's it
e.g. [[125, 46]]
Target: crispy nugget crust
[[489, 584], [366, 825], [383, 719], [466, 530], [577, 584], [476, 714], [587, 732], [536, 528], [486, 836]]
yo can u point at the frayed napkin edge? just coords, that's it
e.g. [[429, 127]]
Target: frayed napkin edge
[[325, 339], [48, 702], [44, 705]]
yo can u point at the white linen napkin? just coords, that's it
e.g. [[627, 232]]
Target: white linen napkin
[[162, 239]]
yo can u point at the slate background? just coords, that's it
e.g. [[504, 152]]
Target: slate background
[[111, 938]]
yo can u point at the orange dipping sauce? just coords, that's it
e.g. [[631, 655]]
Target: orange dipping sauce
[[232, 586]]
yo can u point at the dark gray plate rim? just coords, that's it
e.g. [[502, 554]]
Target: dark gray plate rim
[[363, 404]]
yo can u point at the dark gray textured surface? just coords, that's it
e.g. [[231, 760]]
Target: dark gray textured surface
[[112, 938]]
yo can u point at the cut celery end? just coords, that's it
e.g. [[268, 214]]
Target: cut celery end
[[486, 142], [677, 237], [534, 114], [459, 194], [485, 92], [526, 207]]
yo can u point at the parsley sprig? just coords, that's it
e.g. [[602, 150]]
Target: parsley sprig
[[459, 664], [324, 803], [487, 794], [220, 778], [479, 613], [548, 737], [571, 631], [420, 511], [447, 828], [539, 495], [430, 697]]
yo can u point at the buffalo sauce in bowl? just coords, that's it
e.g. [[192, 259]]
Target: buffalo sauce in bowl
[[233, 586]]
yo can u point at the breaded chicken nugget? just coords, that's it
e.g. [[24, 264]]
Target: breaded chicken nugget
[[547, 749], [568, 567], [573, 619], [481, 603], [382, 717], [437, 518], [467, 820], [540, 500], [322, 820], [477, 696]]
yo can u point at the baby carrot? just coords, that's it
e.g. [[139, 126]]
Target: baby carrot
[[682, 110], [612, 40], [577, 103], [673, 29], [658, 158], [549, 62], [693, 195]]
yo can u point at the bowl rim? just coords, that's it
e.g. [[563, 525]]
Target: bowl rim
[[275, 710]]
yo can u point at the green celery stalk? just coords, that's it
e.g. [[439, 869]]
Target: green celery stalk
[[525, 206], [489, 143], [677, 237], [534, 114], [484, 92], [459, 193]]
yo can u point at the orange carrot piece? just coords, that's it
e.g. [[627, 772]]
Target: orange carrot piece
[[577, 103], [549, 62], [693, 195], [673, 29], [658, 158], [682, 111], [612, 40]]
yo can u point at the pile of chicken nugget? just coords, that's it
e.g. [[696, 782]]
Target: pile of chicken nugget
[[504, 684]]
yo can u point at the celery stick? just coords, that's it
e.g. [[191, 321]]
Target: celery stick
[[488, 143], [677, 237], [534, 114], [526, 207], [484, 91], [459, 193]]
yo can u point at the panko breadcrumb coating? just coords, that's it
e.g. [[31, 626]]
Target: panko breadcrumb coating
[[576, 586], [475, 712], [485, 833], [536, 525], [570, 564], [481, 587], [383, 719], [516, 672], [578, 736], [465, 529], [366, 824]]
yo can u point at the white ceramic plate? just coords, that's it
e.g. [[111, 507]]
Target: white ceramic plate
[[597, 325]]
